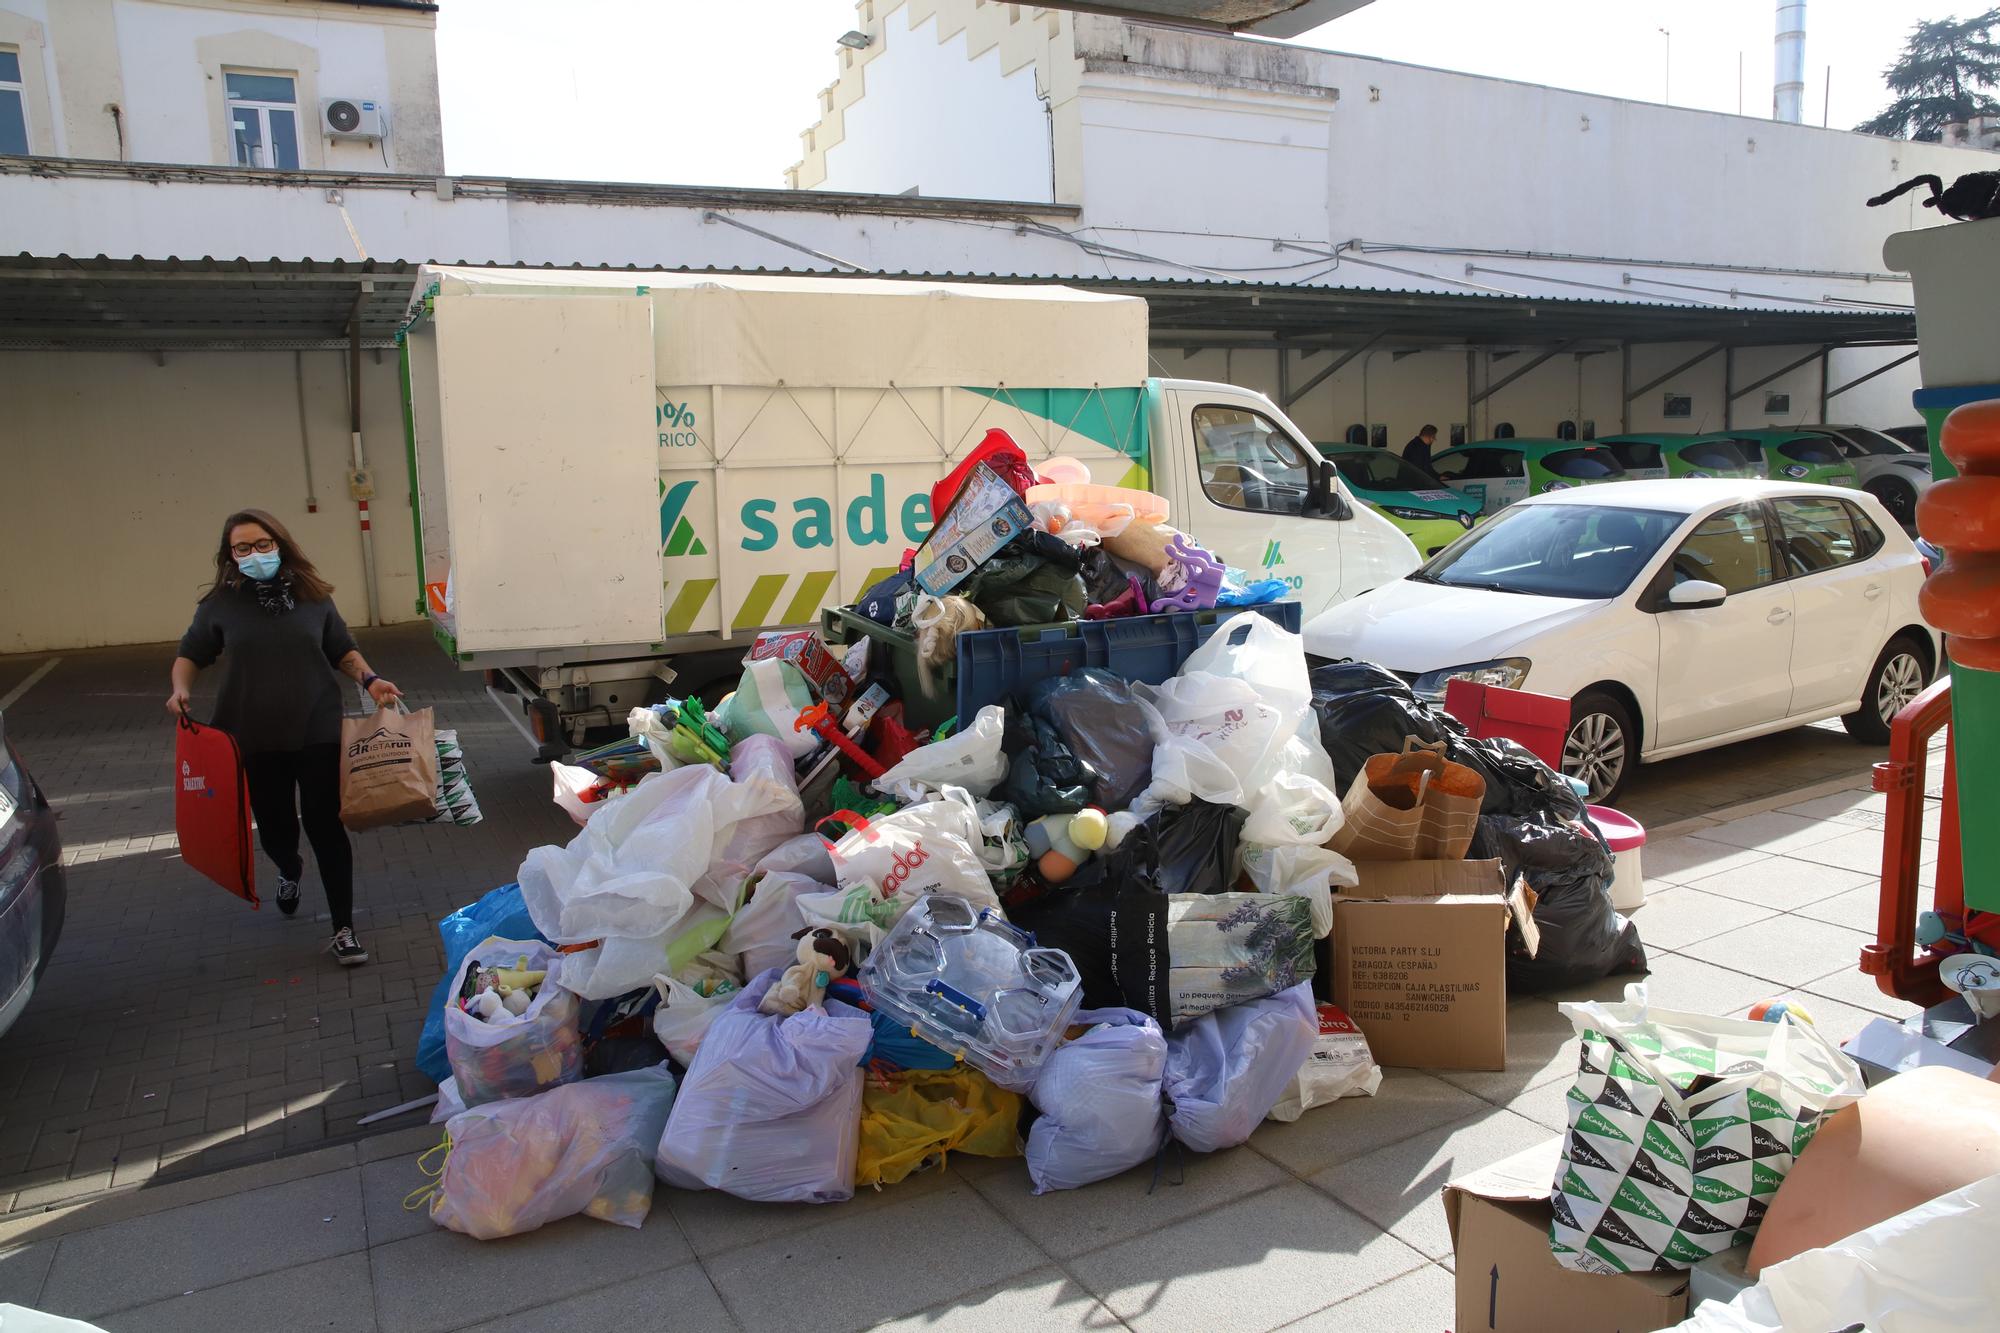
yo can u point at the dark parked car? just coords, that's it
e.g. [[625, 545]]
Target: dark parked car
[[1917, 438], [32, 891]]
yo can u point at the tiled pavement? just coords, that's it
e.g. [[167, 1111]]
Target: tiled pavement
[[1331, 1222]]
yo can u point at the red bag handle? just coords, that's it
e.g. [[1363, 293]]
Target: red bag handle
[[859, 823]]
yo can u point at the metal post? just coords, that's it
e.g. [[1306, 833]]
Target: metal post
[[1728, 383], [1825, 363], [1471, 403], [360, 458], [1625, 388]]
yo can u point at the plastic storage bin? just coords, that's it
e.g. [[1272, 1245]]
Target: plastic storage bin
[[974, 986], [993, 663], [1625, 836], [1538, 721]]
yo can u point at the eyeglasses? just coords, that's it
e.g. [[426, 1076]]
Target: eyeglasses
[[262, 546]]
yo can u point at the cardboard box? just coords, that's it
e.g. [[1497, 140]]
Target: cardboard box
[[986, 516], [804, 649], [1508, 1282], [1420, 960]]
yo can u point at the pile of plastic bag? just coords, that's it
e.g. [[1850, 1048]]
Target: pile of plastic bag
[[825, 946]]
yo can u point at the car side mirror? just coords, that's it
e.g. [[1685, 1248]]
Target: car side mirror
[[1695, 594]]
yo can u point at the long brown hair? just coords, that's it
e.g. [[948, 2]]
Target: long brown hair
[[307, 584]]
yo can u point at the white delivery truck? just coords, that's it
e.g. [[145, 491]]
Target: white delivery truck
[[621, 477]]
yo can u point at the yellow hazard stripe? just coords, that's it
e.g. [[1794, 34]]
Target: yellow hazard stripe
[[687, 605], [1137, 478], [874, 577], [805, 606], [756, 608]]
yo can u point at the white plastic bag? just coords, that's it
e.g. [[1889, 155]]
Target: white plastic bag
[[657, 732], [681, 1020], [760, 934], [1223, 716], [1303, 871], [771, 1108], [805, 855], [920, 849], [1340, 1065], [1271, 660], [570, 783], [583, 1148], [1292, 809], [632, 870], [1100, 1102], [761, 768], [768, 698], [513, 1055], [970, 759], [1227, 1069], [1927, 1270]]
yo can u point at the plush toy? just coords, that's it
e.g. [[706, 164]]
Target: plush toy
[[823, 959], [1061, 843]]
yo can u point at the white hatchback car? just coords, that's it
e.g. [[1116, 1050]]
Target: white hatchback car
[[1676, 614]]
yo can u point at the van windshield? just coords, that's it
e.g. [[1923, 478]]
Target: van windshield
[[1589, 552]]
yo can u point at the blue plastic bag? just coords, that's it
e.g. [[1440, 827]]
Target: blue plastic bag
[[501, 912], [1227, 1069], [1099, 1098]]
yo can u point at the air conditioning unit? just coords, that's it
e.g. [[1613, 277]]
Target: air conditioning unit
[[351, 118], [1983, 132]]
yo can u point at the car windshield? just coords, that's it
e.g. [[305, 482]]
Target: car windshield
[[1860, 442], [1814, 449], [1384, 471], [1589, 463], [1555, 550]]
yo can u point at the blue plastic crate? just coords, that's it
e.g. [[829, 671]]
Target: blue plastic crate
[[996, 663]]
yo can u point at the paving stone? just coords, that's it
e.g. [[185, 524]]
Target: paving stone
[[1407, 1103], [681, 1298], [1788, 950], [22, 1271], [849, 1279], [206, 1245], [1420, 1301], [1687, 860], [1253, 1264], [1541, 1045], [331, 1294], [1689, 914], [1784, 884], [1773, 831], [1398, 1187], [1044, 1300]]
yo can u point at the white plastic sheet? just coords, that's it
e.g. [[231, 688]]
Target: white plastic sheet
[[1340, 1065], [632, 870], [920, 849], [1227, 1069], [761, 767], [760, 934], [771, 1108], [583, 1148], [1100, 1102], [1928, 1270], [683, 1016]]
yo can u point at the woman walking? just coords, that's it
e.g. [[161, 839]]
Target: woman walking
[[270, 618]]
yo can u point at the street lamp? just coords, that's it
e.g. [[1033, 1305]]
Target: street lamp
[[1668, 96]]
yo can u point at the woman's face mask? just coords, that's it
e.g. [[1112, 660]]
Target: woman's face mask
[[259, 565]]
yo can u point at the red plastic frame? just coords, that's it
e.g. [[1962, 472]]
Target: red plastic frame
[[1900, 967]]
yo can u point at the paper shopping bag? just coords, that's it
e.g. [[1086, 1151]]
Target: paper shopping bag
[[388, 769], [1413, 806], [212, 808]]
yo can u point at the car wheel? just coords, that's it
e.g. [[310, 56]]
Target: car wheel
[[1602, 747], [1899, 676], [1899, 498]]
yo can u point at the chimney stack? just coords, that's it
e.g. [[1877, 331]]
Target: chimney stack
[[1789, 87]]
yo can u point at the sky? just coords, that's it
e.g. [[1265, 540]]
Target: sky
[[701, 92]]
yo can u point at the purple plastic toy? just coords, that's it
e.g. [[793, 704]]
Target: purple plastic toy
[[1200, 581]]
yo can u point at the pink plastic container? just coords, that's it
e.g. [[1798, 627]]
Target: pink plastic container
[[1626, 837]]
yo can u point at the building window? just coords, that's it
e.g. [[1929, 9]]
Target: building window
[[263, 120], [13, 104]]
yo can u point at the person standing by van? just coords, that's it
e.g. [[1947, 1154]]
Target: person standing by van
[[270, 619], [1418, 450]]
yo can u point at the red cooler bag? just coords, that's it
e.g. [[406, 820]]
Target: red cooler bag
[[212, 808]]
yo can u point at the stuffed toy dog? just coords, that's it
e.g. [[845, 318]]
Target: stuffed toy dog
[[823, 958]]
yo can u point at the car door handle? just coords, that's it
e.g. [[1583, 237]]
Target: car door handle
[[1872, 591], [1779, 615]]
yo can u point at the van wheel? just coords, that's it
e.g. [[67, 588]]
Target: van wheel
[[1899, 676], [1602, 746]]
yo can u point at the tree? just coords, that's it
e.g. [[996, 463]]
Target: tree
[[1940, 78]]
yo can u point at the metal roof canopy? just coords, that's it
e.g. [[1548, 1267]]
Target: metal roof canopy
[[147, 303], [1263, 18]]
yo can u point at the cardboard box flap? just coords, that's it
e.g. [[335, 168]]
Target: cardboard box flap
[[1384, 881], [1523, 1178], [1521, 906]]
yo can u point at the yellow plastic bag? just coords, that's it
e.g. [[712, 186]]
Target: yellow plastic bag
[[923, 1114]]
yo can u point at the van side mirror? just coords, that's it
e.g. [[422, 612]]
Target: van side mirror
[[1695, 594], [1324, 499]]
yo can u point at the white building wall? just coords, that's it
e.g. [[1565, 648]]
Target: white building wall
[[896, 140], [141, 462]]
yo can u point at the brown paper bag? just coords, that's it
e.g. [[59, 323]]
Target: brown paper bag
[[1413, 806], [388, 769]]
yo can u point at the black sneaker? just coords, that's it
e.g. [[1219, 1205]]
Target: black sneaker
[[288, 895], [347, 950]]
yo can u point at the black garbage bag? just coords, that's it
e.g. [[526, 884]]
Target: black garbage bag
[[1044, 776], [1197, 846], [1172, 956], [1026, 583], [1568, 866], [1105, 725]]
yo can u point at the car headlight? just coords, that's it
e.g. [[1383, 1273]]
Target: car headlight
[[1404, 511], [1796, 470], [1506, 672], [1555, 486]]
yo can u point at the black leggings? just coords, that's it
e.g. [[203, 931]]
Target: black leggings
[[314, 773]]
